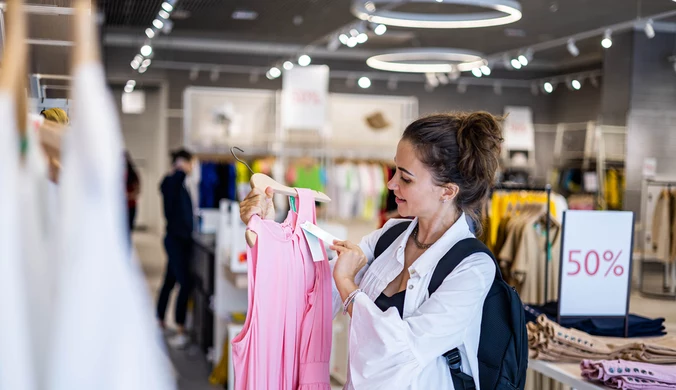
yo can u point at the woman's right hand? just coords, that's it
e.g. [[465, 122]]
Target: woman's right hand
[[257, 203]]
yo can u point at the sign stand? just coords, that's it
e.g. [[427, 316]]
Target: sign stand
[[595, 266]]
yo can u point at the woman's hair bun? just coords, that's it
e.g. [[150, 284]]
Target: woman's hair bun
[[479, 138]]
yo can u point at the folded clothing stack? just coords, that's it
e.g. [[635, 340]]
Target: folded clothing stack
[[611, 327], [548, 340], [622, 374]]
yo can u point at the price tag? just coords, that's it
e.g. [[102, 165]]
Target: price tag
[[595, 271], [313, 234]]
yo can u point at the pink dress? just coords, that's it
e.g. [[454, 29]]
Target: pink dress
[[286, 340]]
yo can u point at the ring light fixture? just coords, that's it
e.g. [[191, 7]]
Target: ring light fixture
[[427, 60], [498, 12]]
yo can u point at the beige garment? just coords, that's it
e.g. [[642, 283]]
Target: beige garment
[[673, 226], [661, 227], [550, 341]]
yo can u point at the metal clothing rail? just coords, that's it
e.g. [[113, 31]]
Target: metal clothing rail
[[669, 269]]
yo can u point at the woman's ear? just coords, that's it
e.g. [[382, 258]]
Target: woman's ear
[[450, 192]]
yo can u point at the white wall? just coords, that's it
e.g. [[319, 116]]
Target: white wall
[[145, 138]]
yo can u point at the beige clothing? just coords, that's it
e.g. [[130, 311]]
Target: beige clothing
[[662, 227]]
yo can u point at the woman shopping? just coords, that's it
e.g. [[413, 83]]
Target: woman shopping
[[398, 334]]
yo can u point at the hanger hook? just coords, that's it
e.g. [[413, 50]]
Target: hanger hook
[[232, 150]]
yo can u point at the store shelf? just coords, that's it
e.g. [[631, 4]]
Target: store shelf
[[566, 373]]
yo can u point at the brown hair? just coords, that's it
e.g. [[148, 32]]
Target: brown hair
[[460, 148]]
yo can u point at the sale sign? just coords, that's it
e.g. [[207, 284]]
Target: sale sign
[[304, 98], [595, 263]]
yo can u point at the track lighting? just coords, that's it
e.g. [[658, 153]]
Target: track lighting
[[135, 64], [576, 84], [158, 24], [477, 72], [362, 38], [443, 79], [352, 42], [432, 80], [343, 38], [572, 48], [516, 64], [607, 41], [146, 63], [380, 29], [364, 82], [288, 65], [485, 70], [142, 69], [150, 33], [649, 29], [146, 50], [304, 60], [163, 14], [523, 60], [167, 7], [275, 72], [549, 88]]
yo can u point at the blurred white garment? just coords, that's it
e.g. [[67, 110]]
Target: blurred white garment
[[16, 364], [105, 334]]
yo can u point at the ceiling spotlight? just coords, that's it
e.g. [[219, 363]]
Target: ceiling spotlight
[[167, 7], [268, 75], [194, 73], [288, 65], [352, 42], [432, 80], [380, 29], [485, 70], [372, 7], [572, 48], [304, 60], [523, 60], [454, 74], [163, 14], [607, 41], [440, 1], [142, 69], [138, 58], [549, 88], [354, 32], [649, 29], [516, 64], [364, 82], [275, 72], [333, 44], [146, 63], [158, 23], [128, 88], [362, 38], [146, 50], [150, 33], [443, 79], [506, 61], [343, 38], [477, 72], [135, 64], [576, 84], [131, 82], [214, 75]]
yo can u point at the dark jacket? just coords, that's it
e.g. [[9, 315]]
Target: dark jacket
[[177, 206]]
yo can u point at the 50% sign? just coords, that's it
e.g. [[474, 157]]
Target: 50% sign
[[591, 262]]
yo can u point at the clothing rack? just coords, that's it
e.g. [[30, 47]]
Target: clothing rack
[[669, 272], [548, 190]]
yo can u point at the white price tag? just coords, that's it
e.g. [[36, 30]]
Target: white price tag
[[313, 234], [596, 256]]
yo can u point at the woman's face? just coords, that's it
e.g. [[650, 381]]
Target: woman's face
[[416, 193]]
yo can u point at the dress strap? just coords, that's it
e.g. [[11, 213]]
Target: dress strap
[[306, 205]]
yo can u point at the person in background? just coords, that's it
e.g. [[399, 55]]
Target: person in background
[[178, 241], [59, 116], [133, 185]]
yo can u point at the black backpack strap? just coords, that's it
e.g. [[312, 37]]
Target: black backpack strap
[[388, 237], [459, 252]]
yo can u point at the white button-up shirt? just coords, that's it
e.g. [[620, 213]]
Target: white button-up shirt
[[388, 352]]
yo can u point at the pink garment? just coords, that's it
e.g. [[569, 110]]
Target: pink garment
[[622, 374], [286, 340]]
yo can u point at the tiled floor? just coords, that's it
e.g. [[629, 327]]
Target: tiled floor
[[192, 369]]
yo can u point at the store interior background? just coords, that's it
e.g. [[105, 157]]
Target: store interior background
[[636, 87]]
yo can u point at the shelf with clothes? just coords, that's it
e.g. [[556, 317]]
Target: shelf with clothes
[[525, 238]]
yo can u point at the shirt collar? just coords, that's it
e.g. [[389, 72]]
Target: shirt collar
[[428, 260]]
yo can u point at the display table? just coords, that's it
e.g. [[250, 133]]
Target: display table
[[566, 373]]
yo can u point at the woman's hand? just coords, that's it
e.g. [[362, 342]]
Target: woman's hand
[[257, 203], [351, 260]]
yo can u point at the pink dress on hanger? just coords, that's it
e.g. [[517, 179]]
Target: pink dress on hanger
[[286, 340]]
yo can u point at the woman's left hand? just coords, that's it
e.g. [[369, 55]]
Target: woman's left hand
[[351, 260]]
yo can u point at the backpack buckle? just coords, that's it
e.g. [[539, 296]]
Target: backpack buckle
[[453, 359]]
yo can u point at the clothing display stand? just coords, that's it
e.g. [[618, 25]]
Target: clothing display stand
[[548, 220], [669, 269]]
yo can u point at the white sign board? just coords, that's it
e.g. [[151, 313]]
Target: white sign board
[[304, 96], [595, 263], [649, 167], [518, 130]]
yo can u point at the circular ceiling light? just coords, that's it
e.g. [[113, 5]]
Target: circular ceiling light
[[427, 60], [499, 12]]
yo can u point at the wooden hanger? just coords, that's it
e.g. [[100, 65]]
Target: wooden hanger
[[14, 60], [259, 180]]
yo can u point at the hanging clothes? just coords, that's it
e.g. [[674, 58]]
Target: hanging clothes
[[286, 340], [102, 326], [662, 227], [16, 352]]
